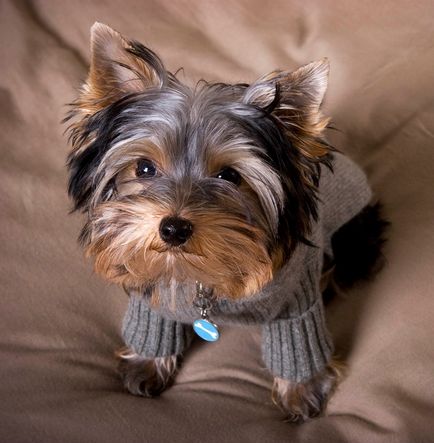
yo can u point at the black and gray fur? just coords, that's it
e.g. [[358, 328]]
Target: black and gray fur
[[250, 152]]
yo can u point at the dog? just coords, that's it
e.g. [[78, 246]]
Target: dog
[[214, 204]]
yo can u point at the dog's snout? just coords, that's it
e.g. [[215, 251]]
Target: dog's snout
[[175, 231]]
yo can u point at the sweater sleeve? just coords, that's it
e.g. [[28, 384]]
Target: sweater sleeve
[[297, 345], [151, 335]]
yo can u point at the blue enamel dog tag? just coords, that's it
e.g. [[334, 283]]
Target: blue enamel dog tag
[[206, 330]]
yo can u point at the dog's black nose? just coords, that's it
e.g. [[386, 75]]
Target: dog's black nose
[[175, 231]]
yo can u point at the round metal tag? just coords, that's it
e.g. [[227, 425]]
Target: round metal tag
[[206, 330]]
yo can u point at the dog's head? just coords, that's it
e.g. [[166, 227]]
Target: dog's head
[[215, 183]]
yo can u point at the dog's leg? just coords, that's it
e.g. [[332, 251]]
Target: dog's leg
[[147, 377], [305, 400], [298, 351], [155, 344]]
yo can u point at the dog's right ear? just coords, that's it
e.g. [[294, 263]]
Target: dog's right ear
[[118, 67]]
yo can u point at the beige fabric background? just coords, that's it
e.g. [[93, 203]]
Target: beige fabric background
[[59, 324]]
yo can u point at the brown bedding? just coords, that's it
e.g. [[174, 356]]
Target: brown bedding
[[59, 324]]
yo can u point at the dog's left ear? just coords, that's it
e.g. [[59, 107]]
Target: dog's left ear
[[295, 98]]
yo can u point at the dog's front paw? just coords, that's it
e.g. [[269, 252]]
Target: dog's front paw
[[303, 401], [147, 377]]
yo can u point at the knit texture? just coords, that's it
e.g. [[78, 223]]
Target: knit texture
[[296, 344], [152, 335]]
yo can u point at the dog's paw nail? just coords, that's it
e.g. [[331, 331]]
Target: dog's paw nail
[[147, 377]]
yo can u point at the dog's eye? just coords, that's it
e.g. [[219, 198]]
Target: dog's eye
[[230, 175], [146, 169]]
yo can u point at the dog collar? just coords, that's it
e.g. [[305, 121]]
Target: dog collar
[[203, 326]]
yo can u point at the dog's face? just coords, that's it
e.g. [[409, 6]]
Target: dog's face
[[215, 183]]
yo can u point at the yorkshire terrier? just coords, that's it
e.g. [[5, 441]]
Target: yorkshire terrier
[[218, 203]]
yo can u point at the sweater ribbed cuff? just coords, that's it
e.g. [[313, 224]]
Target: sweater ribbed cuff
[[150, 335], [297, 348]]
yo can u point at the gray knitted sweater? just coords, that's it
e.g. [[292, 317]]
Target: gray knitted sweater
[[296, 344]]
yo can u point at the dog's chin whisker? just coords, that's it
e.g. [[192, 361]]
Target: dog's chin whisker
[[159, 249], [188, 254]]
